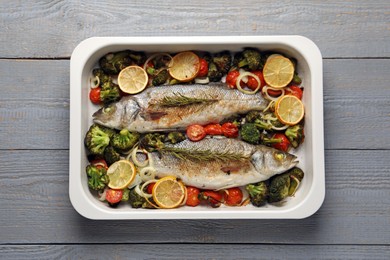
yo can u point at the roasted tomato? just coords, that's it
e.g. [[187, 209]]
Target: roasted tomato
[[192, 196], [213, 129], [233, 196], [230, 130], [213, 198], [195, 133]]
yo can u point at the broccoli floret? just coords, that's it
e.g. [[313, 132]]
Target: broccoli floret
[[214, 73], [126, 194], [138, 57], [296, 79], [110, 92], [97, 139], [137, 201], [124, 140], [285, 184], [152, 141], [258, 193], [250, 133], [223, 60], [103, 77], [110, 155], [113, 63], [160, 78], [175, 137], [296, 175], [249, 58], [252, 116], [295, 135], [97, 177], [255, 117], [279, 187]]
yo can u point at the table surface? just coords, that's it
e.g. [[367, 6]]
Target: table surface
[[37, 218]]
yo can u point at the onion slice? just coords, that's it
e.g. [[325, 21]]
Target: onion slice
[[144, 173], [248, 74], [134, 157], [94, 82], [156, 55]]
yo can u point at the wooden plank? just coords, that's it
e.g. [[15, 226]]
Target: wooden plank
[[53, 29], [193, 251], [36, 208], [38, 106]]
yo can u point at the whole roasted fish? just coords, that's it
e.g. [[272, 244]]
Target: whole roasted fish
[[219, 163], [176, 107]]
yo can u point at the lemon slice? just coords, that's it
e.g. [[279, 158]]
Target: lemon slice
[[168, 193], [278, 71], [289, 110], [185, 66], [121, 174], [132, 79]]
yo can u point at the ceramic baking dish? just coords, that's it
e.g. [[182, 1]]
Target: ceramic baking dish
[[311, 193]]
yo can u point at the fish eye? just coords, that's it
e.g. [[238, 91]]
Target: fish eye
[[109, 110], [280, 156]]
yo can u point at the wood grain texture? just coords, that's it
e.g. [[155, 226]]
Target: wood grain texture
[[54, 28], [36, 208], [356, 97], [184, 251]]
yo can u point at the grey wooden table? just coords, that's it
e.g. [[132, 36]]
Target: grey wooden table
[[37, 219]]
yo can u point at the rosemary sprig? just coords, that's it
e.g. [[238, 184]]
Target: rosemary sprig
[[202, 155], [180, 100]]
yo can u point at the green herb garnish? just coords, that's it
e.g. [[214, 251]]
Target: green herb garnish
[[181, 100]]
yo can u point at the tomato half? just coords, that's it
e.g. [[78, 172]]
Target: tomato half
[[231, 78], [204, 68], [295, 91], [100, 163], [230, 130], [284, 144], [233, 196], [192, 196], [252, 82], [114, 196], [214, 198], [94, 95], [195, 132], [213, 129]]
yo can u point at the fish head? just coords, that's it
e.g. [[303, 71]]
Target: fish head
[[116, 115], [271, 161]]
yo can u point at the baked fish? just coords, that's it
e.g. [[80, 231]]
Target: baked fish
[[219, 163], [176, 107]]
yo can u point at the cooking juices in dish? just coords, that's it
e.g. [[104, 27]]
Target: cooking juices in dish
[[195, 128]]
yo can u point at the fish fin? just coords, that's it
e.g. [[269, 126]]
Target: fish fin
[[152, 115]]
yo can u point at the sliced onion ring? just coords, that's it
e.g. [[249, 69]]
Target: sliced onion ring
[[156, 55], [94, 82], [102, 195], [248, 74], [205, 80], [134, 157], [143, 173], [267, 96]]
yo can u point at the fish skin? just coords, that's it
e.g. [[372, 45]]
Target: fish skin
[[141, 114], [260, 164]]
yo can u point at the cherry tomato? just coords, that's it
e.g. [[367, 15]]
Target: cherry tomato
[[230, 130], [204, 68], [252, 82], [195, 132], [213, 129], [274, 93], [149, 188], [100, 163], [231, 78], [114, 196], [295, 91], [214, 198], [94, 95], [192, 196], [284, 145], [233, 196]]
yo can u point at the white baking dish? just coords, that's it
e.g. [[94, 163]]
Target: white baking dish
[[311, 193]]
